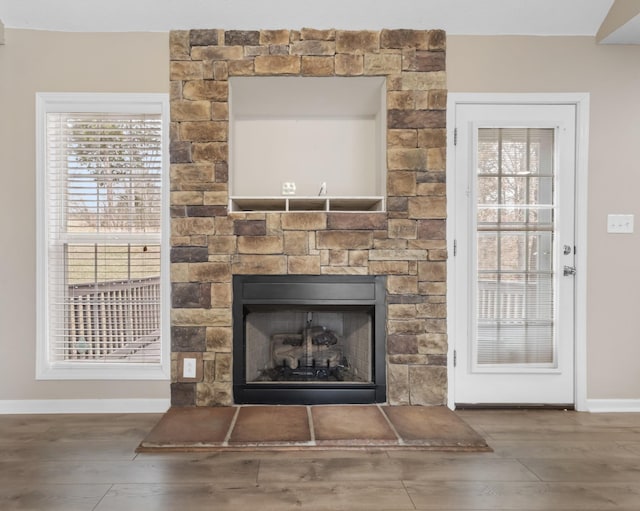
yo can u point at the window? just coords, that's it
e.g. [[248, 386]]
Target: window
[[515, 230], [102, 265]]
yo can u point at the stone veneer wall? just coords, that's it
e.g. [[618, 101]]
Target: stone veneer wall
[[407, 242]]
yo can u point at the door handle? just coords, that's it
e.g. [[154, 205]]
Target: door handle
[[569, 270]]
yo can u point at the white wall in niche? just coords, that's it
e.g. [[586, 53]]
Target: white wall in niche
[[307, 152], [307, 130]]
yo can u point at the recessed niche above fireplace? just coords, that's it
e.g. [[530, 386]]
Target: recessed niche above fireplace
[[309, 339], [307, 143]]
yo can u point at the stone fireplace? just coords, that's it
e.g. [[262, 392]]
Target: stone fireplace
[[395, 229]]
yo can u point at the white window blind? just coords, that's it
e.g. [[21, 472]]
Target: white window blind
[[515, 230], [103, 191]]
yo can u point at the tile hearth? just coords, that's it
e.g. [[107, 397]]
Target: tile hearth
[[319, 427]]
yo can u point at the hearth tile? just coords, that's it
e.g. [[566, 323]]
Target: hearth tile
[[193, 426], [257, 425], [432, 426], [351, 425]]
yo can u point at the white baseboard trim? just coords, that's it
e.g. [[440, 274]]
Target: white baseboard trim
[[43, 406], [613, 405]]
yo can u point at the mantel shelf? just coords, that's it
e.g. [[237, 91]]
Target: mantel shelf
[[307, 203]]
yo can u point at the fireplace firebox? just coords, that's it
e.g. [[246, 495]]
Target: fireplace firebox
[[313, 339]]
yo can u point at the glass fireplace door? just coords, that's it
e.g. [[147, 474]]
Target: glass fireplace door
[[308, 345]]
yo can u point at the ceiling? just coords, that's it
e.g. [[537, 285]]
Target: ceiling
[[458, 17]]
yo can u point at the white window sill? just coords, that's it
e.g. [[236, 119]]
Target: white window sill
[[88, 371]]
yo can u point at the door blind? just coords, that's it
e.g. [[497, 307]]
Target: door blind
[[515, 238]]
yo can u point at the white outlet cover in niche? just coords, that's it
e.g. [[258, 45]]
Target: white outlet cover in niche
[[310, 131]]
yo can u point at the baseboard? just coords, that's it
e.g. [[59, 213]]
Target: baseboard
[[612, 405], [43, 406]]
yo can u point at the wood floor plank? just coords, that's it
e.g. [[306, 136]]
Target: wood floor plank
[[560, 433], [142, 472], [116, 449], [583, 470], [565, 449], [387, 496], [633, 447], [51, 497], [498, 496], [399, 468]]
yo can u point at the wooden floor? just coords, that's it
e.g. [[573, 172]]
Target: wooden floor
[[542, 460]]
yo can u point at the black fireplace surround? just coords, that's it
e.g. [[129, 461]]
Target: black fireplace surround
[[309, 339]]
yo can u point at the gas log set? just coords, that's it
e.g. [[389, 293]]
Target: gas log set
[[313, 354]]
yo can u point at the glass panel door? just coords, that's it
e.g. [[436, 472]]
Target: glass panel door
[[514, 223]]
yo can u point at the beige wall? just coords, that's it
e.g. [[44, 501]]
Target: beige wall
[[611, 74], [32, 61]]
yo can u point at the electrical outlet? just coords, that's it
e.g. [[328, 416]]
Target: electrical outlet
[[620, 223], [288, 188], [189, 368]]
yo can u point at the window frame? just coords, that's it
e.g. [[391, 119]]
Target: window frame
[[46, 368]]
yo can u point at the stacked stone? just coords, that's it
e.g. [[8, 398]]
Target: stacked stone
[[406, 243]]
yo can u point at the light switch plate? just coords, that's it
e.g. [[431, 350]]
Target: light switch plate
[[620, 224], [189, 368]]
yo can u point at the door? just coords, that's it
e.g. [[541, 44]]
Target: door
[[514, 253]]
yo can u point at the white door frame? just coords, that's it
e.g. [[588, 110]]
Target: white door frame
[[581, 102]]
